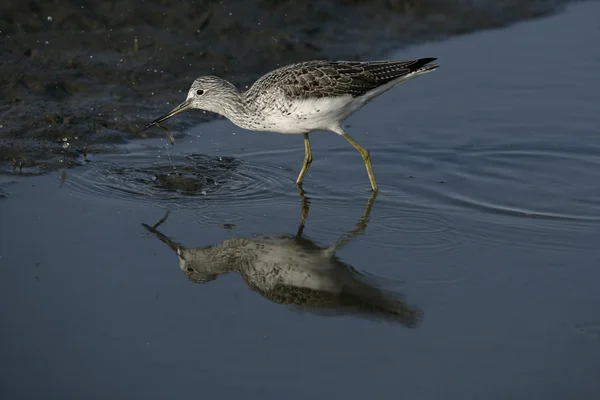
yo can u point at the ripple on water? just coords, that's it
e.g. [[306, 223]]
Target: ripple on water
[[184, 181], [521, 194], [392, 223], [536, 181], [521, 178], [524, 195], [418, 229]]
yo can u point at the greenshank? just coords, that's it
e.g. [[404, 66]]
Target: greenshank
[[303, 98]]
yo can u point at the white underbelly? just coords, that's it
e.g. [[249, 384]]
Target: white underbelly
[[310, 115]]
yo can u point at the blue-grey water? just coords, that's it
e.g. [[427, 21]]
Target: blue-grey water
[[488, 222]]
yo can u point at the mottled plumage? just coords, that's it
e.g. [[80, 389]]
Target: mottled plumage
[[319, 79], [303, 97]]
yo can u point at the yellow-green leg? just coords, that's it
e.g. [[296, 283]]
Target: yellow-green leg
[[364, 153], [307, 160]]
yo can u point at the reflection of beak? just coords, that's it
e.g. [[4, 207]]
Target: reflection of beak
[[180, 108], [173, 245]]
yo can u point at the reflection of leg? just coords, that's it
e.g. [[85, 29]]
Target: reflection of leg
[[361, 225], [304, 204], [307, 159], [364, 153]]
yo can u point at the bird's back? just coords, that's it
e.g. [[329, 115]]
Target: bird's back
[[322, 78]]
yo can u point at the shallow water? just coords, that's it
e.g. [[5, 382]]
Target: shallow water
[[488, 222]]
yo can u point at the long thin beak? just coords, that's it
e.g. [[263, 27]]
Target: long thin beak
[[180, 108]]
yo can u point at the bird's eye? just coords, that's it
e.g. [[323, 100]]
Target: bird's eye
[[199, 92]]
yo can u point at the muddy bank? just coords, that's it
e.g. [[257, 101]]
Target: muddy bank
[[82, 76]]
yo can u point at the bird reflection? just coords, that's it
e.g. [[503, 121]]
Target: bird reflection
[[295, 271]]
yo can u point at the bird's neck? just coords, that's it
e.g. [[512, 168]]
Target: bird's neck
[[231, 105]]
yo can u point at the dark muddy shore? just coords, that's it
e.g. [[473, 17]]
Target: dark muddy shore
[[84, 76]]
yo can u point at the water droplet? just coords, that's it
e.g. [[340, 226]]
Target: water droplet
[[65, 145], [204, 193], [65, 139], [49, 18]]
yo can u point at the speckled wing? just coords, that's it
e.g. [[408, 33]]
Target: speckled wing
[[318, 79]]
